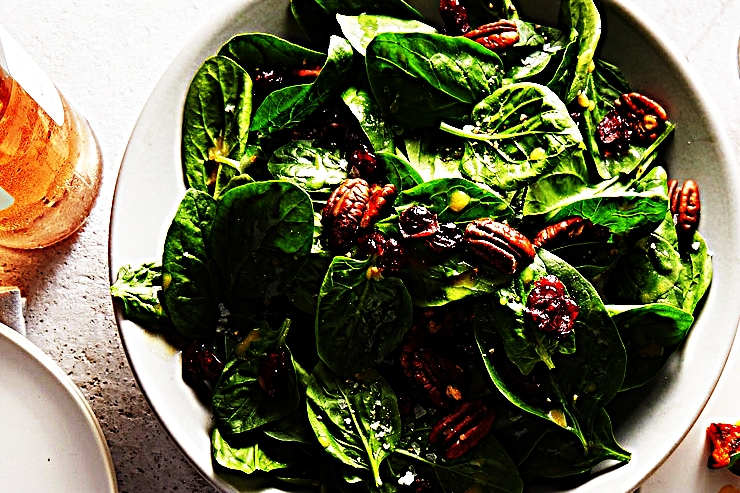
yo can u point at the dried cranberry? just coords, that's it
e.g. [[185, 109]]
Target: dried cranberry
[[267, 80], [273, 371], [199, 362], [446, 239], [418, 222], [363, 164], [613, 134], [550, 308], [455, 17], [391, 254]]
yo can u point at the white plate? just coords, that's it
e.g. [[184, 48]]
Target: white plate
[[51, 438], [150, 187]]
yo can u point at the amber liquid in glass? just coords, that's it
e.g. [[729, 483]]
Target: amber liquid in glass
[[51, 171]]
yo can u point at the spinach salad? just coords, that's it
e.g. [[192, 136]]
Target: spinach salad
[[421, 256]]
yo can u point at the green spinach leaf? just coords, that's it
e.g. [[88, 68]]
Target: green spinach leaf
[[359, 320], [355, 419], [308, 165], [361, 29], [261, 236], [486, 469], [188, 287], [362, 104], [582, 16], [434, 154], [246, 458], [521, 132], [650, 333], [216, 119], [398, 171], [420, 79], [395, 8], [239, 403], [438, 195], [581, 382], [656, 270], [138, 288], [560, 454], [537, 48], [288, 106], [263, 51]]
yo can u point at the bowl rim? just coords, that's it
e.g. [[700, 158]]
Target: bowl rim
[[218, 26]]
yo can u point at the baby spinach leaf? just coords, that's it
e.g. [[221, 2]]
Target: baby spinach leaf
[[216, 118], [189, 292], [621, 204], [246, 458], [560, 454], [304, 289], [561, 79], [311, 167], [261, 236], [537, 48], [650, 333], [525, 346], [420, 79], [655, 270], [288, 106], [359, 320], [434, 154], [362, 104], [263, 51], [239, 403], [316, 23], [361, 29], [355, 419], [603, 86], [582, 16], [398, 171], [437, 195], [487, 468], [435, 280], [581, 382], [394, 8], [138, 288], [521, 132]]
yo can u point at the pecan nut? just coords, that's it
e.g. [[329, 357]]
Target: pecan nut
[[378, 205], [455, 17], [462, 429], [635, 119], [568, 231], [685, 205], [496, 36], [353, 206], [428, 368], [499, 244]]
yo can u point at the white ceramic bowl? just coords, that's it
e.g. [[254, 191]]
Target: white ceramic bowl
[[150, 187]]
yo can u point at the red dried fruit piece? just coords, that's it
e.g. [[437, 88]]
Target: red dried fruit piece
[[463, 428], [417, 222], [447, 238], [499, 244], [363, 164], [200, 363], [273, 371], [635, 119], [455, 17], [724, 441], [391, 254], [551, 310]]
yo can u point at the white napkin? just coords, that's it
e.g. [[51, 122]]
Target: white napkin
[[12, 308]]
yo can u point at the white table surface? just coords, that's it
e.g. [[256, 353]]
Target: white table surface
[[106, 56]]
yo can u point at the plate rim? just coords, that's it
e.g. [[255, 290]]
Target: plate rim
[[58, 375]]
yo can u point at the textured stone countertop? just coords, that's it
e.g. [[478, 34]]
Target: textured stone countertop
[[106, 56]]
